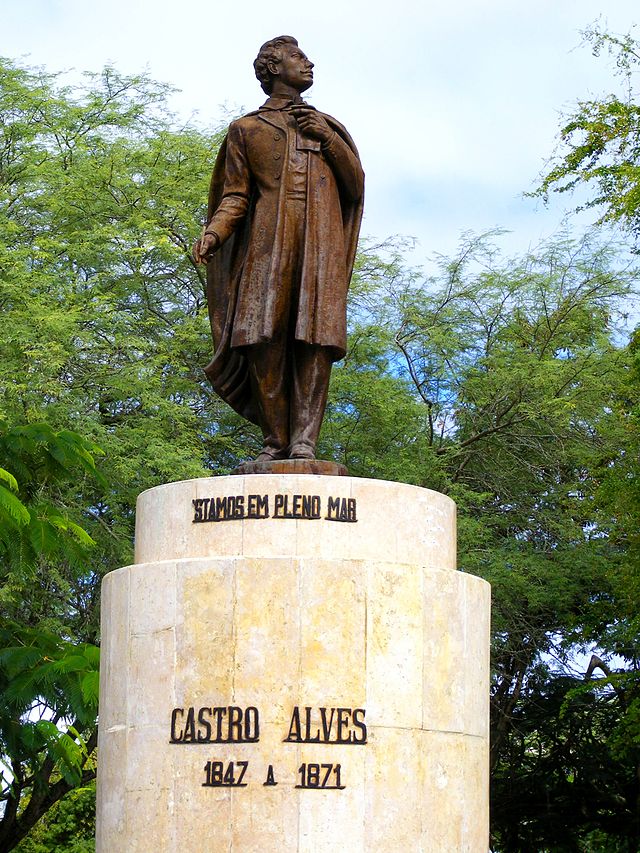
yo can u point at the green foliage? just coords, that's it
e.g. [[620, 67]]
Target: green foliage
[[600, 153], [43, 545], [107, 329], [13, 513], [518, 369], [560, 785], [48, 684], [41, 675], [373, 422], [69, 827], [41, 460], [600, 142]]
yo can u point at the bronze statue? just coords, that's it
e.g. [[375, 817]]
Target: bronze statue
[[285, 206]]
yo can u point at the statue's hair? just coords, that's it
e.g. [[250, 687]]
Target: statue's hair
[[270, 52]]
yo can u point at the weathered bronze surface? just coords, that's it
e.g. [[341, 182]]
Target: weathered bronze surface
[[293, 466], [285, 206]]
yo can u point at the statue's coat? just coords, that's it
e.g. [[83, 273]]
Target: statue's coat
[[246, 284]]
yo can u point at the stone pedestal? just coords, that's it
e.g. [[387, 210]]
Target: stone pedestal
[[293, 664]]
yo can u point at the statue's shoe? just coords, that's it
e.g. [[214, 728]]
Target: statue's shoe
[[271, 454], [302, 451]]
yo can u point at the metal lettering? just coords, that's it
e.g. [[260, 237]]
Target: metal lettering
[[197, 510], [215, 725], [176, 738], [327, 725], [270, 778], [217, 776], [341, 509], [235, 507], [315, 777]]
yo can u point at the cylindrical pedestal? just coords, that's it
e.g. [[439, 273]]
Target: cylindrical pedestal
[[293, 664]]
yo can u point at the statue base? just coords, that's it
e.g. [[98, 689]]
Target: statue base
[[293, 665]]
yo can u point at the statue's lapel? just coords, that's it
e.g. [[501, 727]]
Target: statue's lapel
[[271, 113]]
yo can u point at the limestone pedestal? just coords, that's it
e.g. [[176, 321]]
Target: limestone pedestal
[[293, 664]]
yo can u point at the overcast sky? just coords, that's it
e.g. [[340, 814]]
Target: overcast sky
[[454, 105]]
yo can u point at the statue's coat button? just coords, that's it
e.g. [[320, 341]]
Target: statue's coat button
[[276, 156], [276, 136]]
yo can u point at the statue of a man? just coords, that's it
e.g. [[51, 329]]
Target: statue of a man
[[285, 206]]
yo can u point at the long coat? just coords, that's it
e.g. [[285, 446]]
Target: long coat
[[248, 210]]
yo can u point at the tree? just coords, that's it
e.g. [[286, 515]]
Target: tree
[[600, 142], [519, 367], [561, 782], [104, 318], [103, 330], [69, 826], [100, 204], [600, 153], [48, 682]]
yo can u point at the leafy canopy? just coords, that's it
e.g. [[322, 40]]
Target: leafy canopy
[[48, 683], [600, 142]]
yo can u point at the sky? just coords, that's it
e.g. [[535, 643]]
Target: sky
[[455, 106]]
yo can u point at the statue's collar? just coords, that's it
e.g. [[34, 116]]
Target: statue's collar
[[280, 102]]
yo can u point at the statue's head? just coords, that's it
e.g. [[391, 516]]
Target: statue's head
[[271, 55]]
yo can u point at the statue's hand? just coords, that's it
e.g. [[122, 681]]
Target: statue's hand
[[204, 247], [311, 122]]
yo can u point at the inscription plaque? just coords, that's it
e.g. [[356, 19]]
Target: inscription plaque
[[235, 507]]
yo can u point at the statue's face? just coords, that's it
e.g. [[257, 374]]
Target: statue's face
[[294, 68]]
